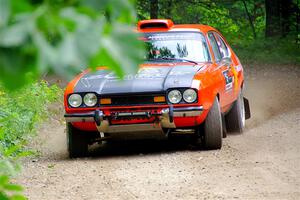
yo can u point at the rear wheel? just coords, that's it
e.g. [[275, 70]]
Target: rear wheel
[[224, 127], [213, 132], [235, 119], [77, 142]]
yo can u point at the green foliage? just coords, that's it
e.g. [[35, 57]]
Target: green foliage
[[269, 51], [9, 191], [64, 36], [20, 113]]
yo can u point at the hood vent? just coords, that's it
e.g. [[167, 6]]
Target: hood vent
[[155, 24]]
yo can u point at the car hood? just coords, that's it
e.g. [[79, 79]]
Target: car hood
[[147, 79]]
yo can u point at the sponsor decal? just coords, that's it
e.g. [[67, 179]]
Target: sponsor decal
[[235, 75], [150, 73], [143, 74], [176, 81], [85, 82], [231, 82], [228, 80], [196, 84], [238, 68], [180, 73], [163, 36]]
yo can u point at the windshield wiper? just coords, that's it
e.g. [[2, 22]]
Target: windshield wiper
[[178, 59]]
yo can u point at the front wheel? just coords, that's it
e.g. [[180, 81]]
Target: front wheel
[[77, 142], [213, 132]]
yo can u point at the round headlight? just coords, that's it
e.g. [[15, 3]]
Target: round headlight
[[90, 99], [189, 95], [174, 96], [75, 100]]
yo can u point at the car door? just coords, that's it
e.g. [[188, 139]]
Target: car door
[[229, 72], [222, 55]]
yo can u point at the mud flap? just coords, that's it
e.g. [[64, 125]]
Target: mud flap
[[247, 108]]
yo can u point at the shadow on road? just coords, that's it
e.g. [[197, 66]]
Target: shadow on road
[[144, 147]]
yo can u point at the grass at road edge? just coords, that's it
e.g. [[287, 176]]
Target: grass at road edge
[[20, 113]]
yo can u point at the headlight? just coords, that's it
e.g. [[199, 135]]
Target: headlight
[[189, 95], [90, 99], [75, 100], [174, 96]]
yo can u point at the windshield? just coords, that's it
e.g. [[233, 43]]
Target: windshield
[[177, 45]]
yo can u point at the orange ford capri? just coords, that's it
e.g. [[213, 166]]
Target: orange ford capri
[[191, 80]]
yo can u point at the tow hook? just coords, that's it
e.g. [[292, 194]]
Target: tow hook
[[171, 114], [98, 117]]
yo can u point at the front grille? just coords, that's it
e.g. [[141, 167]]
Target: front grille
[[131, 100]]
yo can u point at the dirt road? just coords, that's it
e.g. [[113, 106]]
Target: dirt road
[[262, 163]]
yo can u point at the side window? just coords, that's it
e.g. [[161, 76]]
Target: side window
[[222, 46], [215, 47]]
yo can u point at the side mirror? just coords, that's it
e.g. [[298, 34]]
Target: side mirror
[[226, 61]]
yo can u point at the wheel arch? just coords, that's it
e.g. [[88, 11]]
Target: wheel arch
[[218, 96]]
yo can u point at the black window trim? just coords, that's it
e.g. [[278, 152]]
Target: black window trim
[[212, 32], [223, 41]]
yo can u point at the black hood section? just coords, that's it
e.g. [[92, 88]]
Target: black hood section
[[148, 79]]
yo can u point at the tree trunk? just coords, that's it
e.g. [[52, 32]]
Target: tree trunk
[[153, 9], [273, 25], [250, 19], [286, 13], [297, 20]]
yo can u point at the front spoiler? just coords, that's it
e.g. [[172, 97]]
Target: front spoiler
[[164, 119]]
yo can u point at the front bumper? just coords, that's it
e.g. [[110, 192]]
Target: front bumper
[[163, 118]]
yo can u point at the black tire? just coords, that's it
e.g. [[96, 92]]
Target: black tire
[[77, 142], [235, 119], [224, 127], [213, 131]]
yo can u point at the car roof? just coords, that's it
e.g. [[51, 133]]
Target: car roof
[[166, 25], [200, 27]]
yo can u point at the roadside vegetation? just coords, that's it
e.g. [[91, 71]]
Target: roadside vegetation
[[283, 51], [21, 112]]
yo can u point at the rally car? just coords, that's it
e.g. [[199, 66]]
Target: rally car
[[191, 80]]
